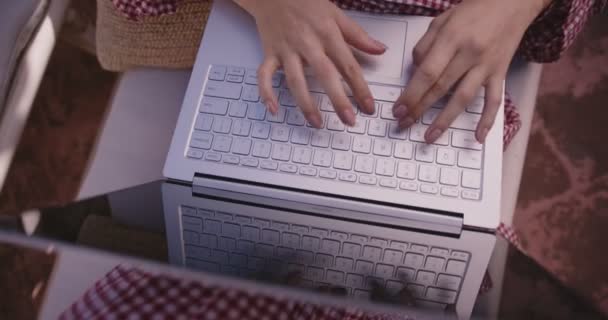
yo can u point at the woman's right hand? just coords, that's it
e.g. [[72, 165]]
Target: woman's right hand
[[295, 33]]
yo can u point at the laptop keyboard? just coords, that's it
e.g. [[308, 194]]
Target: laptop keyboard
[[244, 246], [233, 127]]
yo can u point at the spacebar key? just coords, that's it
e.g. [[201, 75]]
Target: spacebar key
[[223, 90]]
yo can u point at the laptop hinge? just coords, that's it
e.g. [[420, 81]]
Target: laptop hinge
[[326, 205]]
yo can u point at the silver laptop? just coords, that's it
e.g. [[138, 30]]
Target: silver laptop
[[369, 174]]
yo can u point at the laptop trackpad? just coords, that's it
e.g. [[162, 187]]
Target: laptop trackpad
[[390, 65]]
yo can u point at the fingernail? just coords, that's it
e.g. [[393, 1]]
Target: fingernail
[[483, 135], [380, 44], [400, 111], [407, 122], [433, 134], [369, 105], [272, 107]]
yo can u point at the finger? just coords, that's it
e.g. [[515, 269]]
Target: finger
[[327, 74], [265, 72], [493, 99], [357, 36], [453, 72], [296, 82], [424, 78], [342, 56], [424, 44], [464, 95]]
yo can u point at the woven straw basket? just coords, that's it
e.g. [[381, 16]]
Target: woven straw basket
[[169, 41]]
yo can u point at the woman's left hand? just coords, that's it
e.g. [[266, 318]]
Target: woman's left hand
[[470, 45]]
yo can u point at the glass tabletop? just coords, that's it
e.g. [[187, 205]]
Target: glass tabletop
[[307, 252]]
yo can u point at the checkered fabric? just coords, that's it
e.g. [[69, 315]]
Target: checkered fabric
[[131, 293]]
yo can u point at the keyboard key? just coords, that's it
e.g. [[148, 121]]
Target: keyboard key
[[327, 174], [394, 132], [324, 260], [404, 150], [354, 280], [364, 164], [280, 133], [455, 267], [379, 242], [251, 94], [449, 177], [223, 90], [449, 192], [428, 173], [425, 277], [374, 282], [322, 233], [335, 277], [326, 104], [310, 243], [330, 246], [441, 295], [471, 179], [295, 118], [241, 127], [372, 253], [256, 111], [385, 167], [322, 158], [369, 180], [341, 141], [334, 123], [308, 171], [351, 249], [362, 144], [469, 159], [461, 255], [213, 157], [314, 273], [300, 136], [476, 106], [289, 168], [446, 156], [413, 259], [383, 147], [405, 274], [287, 99], [222, 143], [359, 127], [208, 240], [279, 117], [394, 287], [465, 140], [244, 246], [250, 233], [345, 264], [406, 170], [231, 230], [236, 71], [343, 161], [439, 251], [419, 248], [383, 93], [416, 290], [417, 132], [384, 270], [201, 140], [320, 139], [203, 123], [217, 73], [222, 125], [227, 244], [470, 194], [234, 78], [281, 152], [347, 176], [402, 246], [434, 264], [377, 128], [241, 146], [261, 149], [448, 282], [302, 155], [393, 256], [387, 111], [466, 121], [291, 240], [194, 153], [425, 153], [429, 116], [364, 267]]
